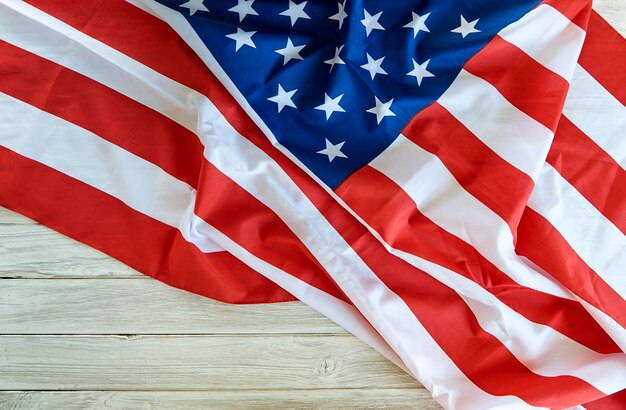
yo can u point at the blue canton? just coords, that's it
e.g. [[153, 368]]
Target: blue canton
[[336, 82]]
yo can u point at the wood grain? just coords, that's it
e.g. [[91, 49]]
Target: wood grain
[[143, 306], [205, 352], [8, 217], [251, 399], [194, 363], [35, 251], [81, 330]]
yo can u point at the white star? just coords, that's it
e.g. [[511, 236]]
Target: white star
[[242, 38], [341, 14], [466, 27], [290, 52], [374, 66], [333, 151], [382, 110], [295, 12], [418, 24], [371, 22], [283, 98], [244, 7], [336, 59], [194, 5], [330, 105], [420, 72]]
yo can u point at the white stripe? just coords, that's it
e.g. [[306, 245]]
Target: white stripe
[[32, 30], [77, 152], [148, 189], [546, 351], [542, 349], [598, 114], [439, 196], [509, 132], [612, 328], [548, 37], [593, 237]]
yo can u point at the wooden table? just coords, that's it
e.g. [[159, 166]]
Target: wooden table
[[79, 330]]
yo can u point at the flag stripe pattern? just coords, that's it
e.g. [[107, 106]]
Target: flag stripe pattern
[[569, 146], [405, 270], [146, 236]]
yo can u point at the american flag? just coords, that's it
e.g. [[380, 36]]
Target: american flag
[[443, 179]]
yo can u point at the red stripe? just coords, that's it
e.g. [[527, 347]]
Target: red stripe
[[244, 219], [604, 56], [540, 242], [101, 110], [105, 223], [597, 176], [529, 86], [478, 169], [391, 212]]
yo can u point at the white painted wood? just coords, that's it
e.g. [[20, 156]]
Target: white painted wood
[[614, 11], [226, 355], [12, 218], [30, 250], [141, 306], [194, 363], [105, 297], [251, 399]]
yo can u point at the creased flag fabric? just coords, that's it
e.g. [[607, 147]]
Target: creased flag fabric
[[440, 178]]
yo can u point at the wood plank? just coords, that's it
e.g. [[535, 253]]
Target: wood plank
[[252, 399], [13, 218], [194, 363], [146, 306], [614, 12], [35, 251]]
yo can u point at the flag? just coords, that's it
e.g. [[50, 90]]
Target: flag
[[134, 198], [440, 179]]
